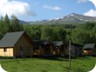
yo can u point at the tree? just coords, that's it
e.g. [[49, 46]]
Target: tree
[[1, 28], [36, 32], [47, 33], [15, 24], [6, 22], [33, 31], [93, 34], [80, 36], [59, 33], [89, 25]]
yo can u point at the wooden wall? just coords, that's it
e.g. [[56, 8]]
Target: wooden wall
[[9, 52], [25, 43]]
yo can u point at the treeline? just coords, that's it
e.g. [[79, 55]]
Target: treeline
[[9, 25], [80, 34]]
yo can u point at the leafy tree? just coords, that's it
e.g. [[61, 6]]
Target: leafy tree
[[33, 31], [89, 25], [59, 33], [80, 36], [93, 34], [46, 33]]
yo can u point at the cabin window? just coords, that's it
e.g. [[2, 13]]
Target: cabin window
[[5, 49]]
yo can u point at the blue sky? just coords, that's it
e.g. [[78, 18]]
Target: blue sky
[[31, 10]]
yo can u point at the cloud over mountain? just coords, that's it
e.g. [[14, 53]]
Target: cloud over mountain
[[91, 12]]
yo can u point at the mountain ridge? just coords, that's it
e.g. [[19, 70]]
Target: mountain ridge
[[70, 18]]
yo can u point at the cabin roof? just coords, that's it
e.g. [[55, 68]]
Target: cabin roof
[[10, 39], [58, 43], [45, 43], [89, 46]]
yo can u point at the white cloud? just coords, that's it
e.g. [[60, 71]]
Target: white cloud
[[14, 7], [57, 8], [94, 2], [91, 12], [80, 1]]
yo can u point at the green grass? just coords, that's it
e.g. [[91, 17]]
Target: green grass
[[45, 65]]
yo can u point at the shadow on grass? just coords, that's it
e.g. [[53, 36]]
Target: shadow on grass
[[55, 58]]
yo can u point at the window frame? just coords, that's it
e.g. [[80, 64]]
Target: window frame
[[5, 49]]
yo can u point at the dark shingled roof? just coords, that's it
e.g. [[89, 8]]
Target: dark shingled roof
[[58, 43], [10, 39], [89, 46]]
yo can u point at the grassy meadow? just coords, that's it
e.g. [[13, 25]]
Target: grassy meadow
[[48, 65]]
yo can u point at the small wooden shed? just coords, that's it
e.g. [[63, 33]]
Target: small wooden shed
[[76, 50], [59, 48], [16, 44], [46, 48], [89, 49], [36, 48]]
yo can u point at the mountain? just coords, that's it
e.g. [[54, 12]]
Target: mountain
[[68, 19], [78, 18], [23, 22]]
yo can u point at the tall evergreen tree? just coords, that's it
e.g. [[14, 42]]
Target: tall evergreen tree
[[15, 24], [6, 22], [1, 27]]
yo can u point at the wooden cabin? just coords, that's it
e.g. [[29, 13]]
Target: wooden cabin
[[89, 49], [36, 48], [76, 50], [46, 48], [16, 44], [59, 48]]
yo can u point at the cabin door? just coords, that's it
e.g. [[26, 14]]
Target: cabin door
[[22, 52]]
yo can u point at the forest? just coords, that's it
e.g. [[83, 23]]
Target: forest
[[77, 33]]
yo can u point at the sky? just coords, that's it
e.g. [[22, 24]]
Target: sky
[[33, 10]]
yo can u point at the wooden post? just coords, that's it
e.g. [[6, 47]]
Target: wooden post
[[70, 56]]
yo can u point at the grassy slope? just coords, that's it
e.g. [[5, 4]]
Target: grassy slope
[[43, 65]]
